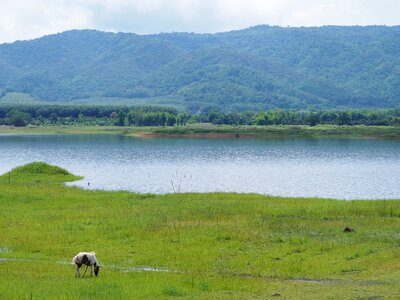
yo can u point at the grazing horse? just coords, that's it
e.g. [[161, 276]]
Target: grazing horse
[[87, 259]]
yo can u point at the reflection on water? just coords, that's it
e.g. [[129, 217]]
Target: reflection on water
[[329, 168]]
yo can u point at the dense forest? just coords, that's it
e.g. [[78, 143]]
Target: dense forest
[[260, 68], [37, 115]]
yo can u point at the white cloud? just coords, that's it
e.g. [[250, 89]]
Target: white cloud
[[33, 18], [25, 19]]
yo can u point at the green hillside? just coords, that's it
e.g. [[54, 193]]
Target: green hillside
[[258, 68]]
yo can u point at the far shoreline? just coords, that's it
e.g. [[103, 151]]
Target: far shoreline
[[209, 131]]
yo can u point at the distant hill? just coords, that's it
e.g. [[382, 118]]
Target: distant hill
[[258, 68]]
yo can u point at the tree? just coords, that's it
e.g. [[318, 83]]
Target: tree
[[121, 119], [53, 117], [163, 119], [313, 119], [394, 121], [344, 118], [18, 118], [130, 119], [171, 119]]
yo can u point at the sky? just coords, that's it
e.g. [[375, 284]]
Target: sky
[[28, 19]]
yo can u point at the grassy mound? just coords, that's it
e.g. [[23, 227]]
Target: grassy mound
[[39, 172], [40, 168]]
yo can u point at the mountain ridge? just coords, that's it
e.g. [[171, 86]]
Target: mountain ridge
[[258, 68]]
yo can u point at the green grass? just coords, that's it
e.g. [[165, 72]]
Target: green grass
[[215, 246], [39, 172], [19, 98], [224, 131], [168, 101]]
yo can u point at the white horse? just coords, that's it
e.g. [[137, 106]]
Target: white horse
[[87, 259]]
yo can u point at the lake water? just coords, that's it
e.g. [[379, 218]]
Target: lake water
[[328, 168]]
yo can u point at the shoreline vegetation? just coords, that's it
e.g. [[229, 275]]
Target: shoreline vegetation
[[154, 121], [205, 130], [191, 246]]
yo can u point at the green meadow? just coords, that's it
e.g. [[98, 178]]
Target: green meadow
[[191, 246]]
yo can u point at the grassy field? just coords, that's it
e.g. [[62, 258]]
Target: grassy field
[[191, 246], [223, 131], [168, 101]]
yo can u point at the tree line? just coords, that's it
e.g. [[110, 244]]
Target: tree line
[[22, 115]]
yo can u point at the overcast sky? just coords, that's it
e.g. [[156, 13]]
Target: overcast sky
[[27, 19]]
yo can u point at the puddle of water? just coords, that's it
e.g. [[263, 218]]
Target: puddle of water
[[140, 269], [118, 268], [64, 262], [148, 269], [316, 281], [5, 250], [16, 259]]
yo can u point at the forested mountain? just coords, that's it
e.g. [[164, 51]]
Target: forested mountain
[[258, 68]]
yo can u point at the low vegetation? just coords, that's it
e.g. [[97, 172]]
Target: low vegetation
[[207, 130], [21, 115], [191, 246]]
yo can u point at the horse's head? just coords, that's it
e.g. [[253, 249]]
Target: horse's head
[[96, 269]]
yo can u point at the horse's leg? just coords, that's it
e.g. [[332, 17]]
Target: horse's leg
[[85, 272], [77, 273]]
